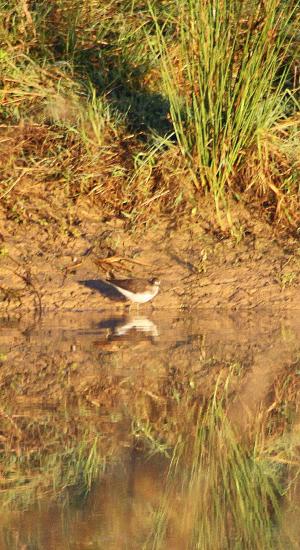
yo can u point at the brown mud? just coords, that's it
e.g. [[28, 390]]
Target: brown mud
[[50, 266]]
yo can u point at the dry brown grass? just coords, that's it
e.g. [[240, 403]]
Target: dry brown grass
[[84, 113]]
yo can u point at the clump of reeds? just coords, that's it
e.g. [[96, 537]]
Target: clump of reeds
[[228, 78]]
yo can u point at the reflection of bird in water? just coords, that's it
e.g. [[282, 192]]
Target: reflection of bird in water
[[131, 329], [138, 291], [137, 324]]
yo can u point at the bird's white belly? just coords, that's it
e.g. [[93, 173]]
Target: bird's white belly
[[138, 297]]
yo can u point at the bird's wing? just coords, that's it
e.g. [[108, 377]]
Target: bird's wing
[[133, 285]]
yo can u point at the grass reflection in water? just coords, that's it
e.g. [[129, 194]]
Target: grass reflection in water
[[226, 486]]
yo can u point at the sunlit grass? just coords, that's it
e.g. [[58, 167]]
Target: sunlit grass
[[145, 105], [227, 79]]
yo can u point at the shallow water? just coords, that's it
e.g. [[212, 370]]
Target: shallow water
[[176, 430]]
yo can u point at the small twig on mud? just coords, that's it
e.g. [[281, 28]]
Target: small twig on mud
[[14, 183], [107, 263], [117, 259], [73, 266], [27, 279], [9, 294]]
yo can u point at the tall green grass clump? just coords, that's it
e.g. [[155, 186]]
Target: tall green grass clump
[[227, 78]]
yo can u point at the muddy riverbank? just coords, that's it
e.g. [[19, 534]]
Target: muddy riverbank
[[52, 266]]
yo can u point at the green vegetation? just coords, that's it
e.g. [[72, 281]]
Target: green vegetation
[[232, 484], [148, 105], [227, 87]]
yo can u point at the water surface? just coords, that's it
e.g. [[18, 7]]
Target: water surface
[[176, 430]]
